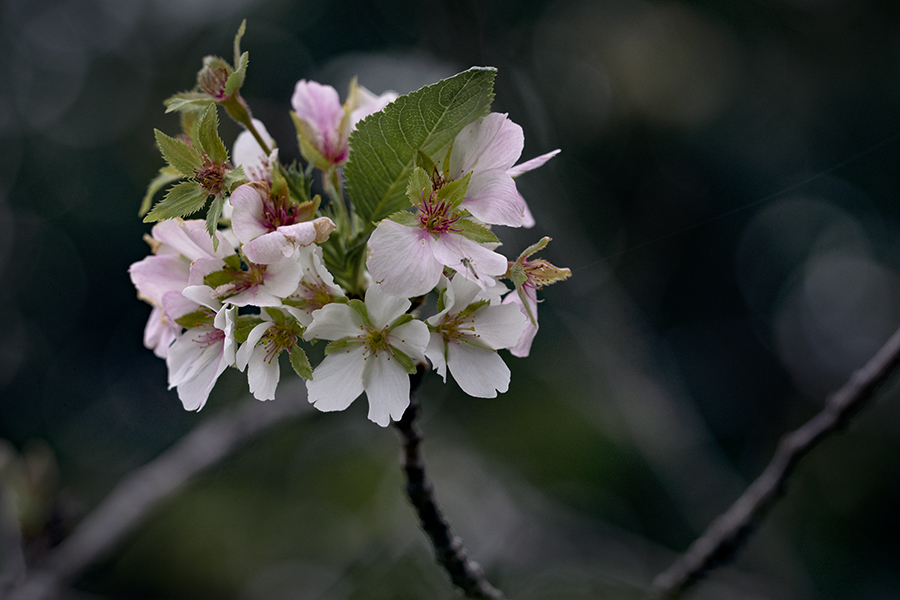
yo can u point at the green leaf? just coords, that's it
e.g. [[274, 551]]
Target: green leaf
[[243, 327], [454, 193], [234, 178], [182, 200], [208, 134], [405, 361], [166, 176], [300, 362], [401, 320], [218, 278], [237, 42], [233, 261], [341, 344], [183, 158], [188, 101], [384, 147], [404, 217], [419, 185], [360, 307], [236, 79], [424, 161], [475, 232], [276, 315], [212, 220], [195, 319]]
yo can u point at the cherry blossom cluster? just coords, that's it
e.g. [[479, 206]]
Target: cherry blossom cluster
[[273, 268]]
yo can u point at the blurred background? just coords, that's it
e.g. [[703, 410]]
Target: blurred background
[[726, 199]]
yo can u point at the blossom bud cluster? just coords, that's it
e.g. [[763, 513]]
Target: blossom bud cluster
[[271, 270]]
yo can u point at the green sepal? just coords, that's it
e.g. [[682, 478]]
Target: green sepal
[[307, 145], [208, 136], [276, 315], [300, 362], [445, 166], [244, 324], [404, 217], [360, 307], [233, 261], [538, 245], [475, 232], [180, 156], [472, 308], [181, 200], [218, 278], [236, 79], [442, 300], [341, 344], [212, 220], [166, 175], [401, 320], [188, 101], [424, 162], [525, 302], [237, 41], [195, 319], [405, 361], [516, 274], [306, 211], [454, 193], [234, 178], [419, 185]]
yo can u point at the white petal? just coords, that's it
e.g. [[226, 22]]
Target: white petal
[[245, 351], [337, 381], [384, 308], [268, 248], [452, 250], [531, 165], [158, 274], [333, 322], [201, 294], [194, 366], [499, 326], [190, 239], [402, 261], [493, 142], [478, 371], [435, 353], [159, 332], [248, 153], [387, 388], [492, 198], [248, 215], [411, 339], [262, 376]]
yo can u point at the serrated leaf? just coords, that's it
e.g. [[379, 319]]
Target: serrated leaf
[[475, 232], [188, 101], [166, 176], [212, 220], [234, 178], [180, 156], [454, 193], [208, 134], [405, 218], [237, 41], [236, 79], [300, 362], [181, 200], [384, 146], [419, 185]]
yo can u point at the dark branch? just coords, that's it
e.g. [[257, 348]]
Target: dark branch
[[448, 548], [727, 533], [138, 494]]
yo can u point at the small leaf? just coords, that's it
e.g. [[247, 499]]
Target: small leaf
[[233, 261], [300, 362], [188, 101], [405, 361], [419, 185], [182, 200], [218, 279], [360, 307], [384, 146], [208, 134], [212, 220], [424, 162], [401, 320], [183, 158], [237, 42], [236, 79], [166, 176], [195, 319], [234, 178], [341, 344], [405, 218], [475, 232], [454, 193], [276, 315]]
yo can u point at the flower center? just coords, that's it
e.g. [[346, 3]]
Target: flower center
[[376, 340], [278, 212], [436, 216], [209, 338], [244, 280], [276, 340], [211, 177]]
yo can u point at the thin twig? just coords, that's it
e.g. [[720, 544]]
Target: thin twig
[[449, 551], [727, 533], [137, 495]]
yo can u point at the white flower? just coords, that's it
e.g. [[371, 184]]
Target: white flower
[[247, 153], [375, 344], [200, 354], [261, 350], [316, 288], [466, 335]]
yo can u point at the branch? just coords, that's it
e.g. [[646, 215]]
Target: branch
[[449, 551], [729, 531], [126, 507]]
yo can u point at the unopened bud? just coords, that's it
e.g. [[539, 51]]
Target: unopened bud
[[213, 77]]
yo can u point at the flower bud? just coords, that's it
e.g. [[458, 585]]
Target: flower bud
[[213, 77]]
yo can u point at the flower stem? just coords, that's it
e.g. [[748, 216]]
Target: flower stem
[[449, 551]]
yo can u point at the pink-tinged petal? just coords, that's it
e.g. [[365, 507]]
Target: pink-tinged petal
[[175, 306], [402, 261], [202, 267], [190, 239], [248, 215], [250, 155], [201, 294], [387, 388], [268, 248], [285, 241], [411, 339], [282, 277], [492, 198], [469, 259], [492, 142], [368, 103], [478, 371], [460, 294], [499, 326], [382, 307], [242, 357], [194, 366], [226, 320], [435, 354], [159, 332], [528, 222], [531, 165], [337, 381], [333, 322], [157, 274], [523, 347], [262, 375], [320, 108]]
